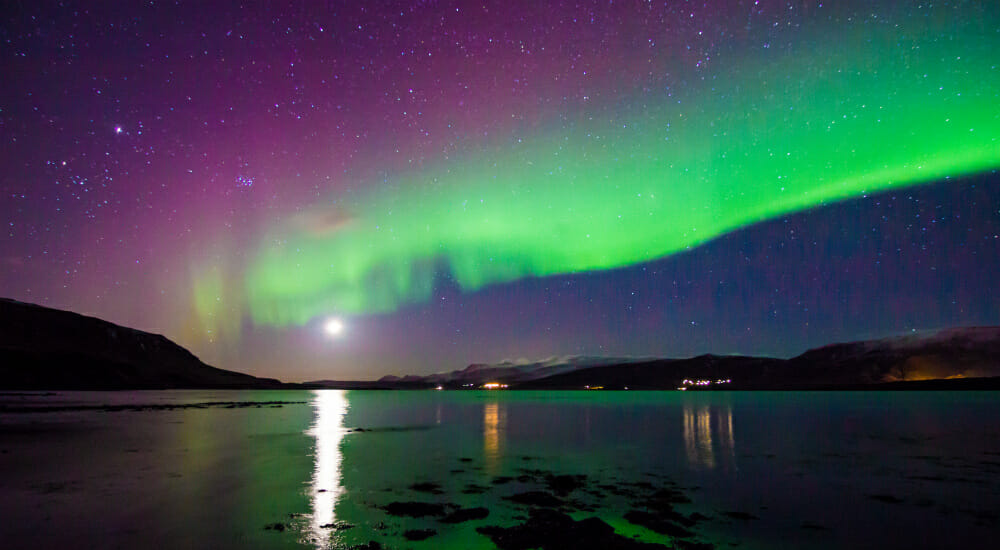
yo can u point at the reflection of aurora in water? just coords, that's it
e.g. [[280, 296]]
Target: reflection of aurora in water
[[701, 423], [328, 429]]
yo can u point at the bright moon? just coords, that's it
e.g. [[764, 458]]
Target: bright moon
[[333, 326]]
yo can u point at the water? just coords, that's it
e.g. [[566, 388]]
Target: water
[[184, 469]]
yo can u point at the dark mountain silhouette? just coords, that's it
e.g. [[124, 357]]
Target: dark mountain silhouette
[[44, 348], [512, 371], [477, 374], [901, 362], [954, 358]]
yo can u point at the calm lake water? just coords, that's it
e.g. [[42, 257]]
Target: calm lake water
[[291, 469]]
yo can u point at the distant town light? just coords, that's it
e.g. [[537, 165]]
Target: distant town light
[[702, 382]]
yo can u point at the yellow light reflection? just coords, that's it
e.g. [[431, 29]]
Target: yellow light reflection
[[708, 436], [328, 429], [493, 421]]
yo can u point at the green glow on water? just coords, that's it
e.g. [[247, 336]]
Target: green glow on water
[[631, 530], [763, 139]]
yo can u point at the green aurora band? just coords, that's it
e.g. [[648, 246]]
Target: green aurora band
[[761, 140]]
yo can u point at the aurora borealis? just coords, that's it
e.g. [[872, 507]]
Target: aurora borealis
[[469, 183]]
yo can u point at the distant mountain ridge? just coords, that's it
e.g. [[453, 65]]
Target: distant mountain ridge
[[45, 348], [906, 361], [513, 371], [967, 352], [476, 374]]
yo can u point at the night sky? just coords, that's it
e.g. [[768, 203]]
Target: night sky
[[461, 182]]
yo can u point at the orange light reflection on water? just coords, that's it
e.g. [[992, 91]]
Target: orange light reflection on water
[[493, 424], [708, 436]]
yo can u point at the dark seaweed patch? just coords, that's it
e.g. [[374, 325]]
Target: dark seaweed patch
[[552, 530], [563, 485], [466, 514], [338, 526], [147, 407], [391, 429], [473, 489], [415, 509], [657, 523], [427, 487], [535, 498], [419, 534]]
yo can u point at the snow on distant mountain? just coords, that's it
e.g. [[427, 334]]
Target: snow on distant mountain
[[509, 371], [963, 352]]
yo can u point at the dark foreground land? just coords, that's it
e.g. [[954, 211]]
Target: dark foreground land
[[49, 349]]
